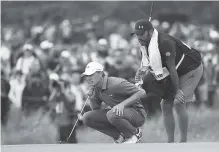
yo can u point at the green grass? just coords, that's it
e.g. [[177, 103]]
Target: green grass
[[32, 130], [203, 127]]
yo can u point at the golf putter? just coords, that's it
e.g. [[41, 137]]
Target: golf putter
[[75, 122]]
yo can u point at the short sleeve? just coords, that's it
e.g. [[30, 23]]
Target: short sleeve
[[127, 88], [168, 49]]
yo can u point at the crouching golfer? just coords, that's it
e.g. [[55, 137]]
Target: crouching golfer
[[126, 113]]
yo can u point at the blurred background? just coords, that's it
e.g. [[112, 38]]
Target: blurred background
[[46, 45]]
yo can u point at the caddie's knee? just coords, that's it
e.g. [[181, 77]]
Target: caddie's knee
[[180, 107], [166, 107]]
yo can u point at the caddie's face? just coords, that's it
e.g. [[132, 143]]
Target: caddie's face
[[143, 38], [94, 79]]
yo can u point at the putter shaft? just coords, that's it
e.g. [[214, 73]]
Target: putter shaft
[[77, 119]]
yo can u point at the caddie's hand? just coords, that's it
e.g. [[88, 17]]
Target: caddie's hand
[[137, 78], [118, 109], [180, 97], [140, 73], [144, 69]]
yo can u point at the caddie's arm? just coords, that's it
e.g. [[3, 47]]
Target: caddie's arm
[[138, 77], [141, 71], [170, 54]]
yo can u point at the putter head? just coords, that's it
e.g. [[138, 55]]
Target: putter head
[[62, 142]]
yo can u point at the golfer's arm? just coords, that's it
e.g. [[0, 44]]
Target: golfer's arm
[[95, 103], [128, 89], [134, 98]]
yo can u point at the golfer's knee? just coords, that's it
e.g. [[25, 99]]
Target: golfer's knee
[[87, 118], [166, 107], [112, 117]]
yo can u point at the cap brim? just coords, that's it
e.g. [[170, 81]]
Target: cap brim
[[138, 32], [83, 74], [86, 74], [89, 73]]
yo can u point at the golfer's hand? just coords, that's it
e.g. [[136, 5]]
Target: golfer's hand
[[118, 109], [90, 92], [180, 97], [80, 117]]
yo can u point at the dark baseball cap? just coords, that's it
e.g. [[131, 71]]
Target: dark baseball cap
[[141, 26]]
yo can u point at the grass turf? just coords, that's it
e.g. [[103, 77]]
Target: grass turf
[[203, 127]]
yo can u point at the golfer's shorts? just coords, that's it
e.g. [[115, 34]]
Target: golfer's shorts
[[164, 89]]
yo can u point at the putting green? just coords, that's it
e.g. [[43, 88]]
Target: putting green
[[155, 147]]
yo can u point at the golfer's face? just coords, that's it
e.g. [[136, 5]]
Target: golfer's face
[[94, 78]]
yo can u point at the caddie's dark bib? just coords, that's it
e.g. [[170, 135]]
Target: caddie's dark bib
[[192, 57]]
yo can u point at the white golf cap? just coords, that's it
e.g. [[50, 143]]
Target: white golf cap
[[92, 67], [102, 42], [65, 54], [46, 45], [28, 46], [54, 76]]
